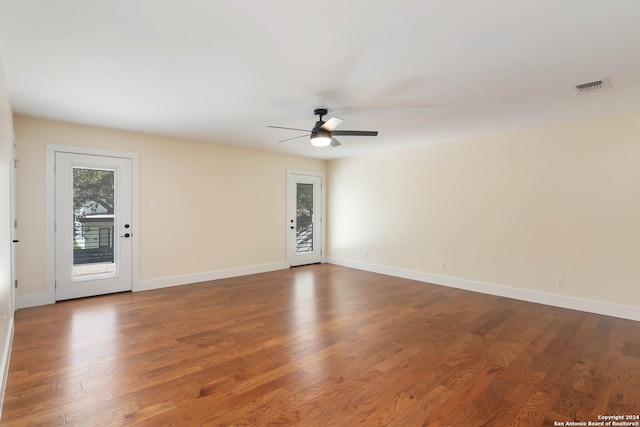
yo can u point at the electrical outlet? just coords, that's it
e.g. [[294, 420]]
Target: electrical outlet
[[443, 265], [560, 280]]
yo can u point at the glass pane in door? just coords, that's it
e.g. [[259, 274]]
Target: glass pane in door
[[304, 218], [93, 221]]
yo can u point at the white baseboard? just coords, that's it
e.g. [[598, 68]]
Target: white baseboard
[[165, 282], [574, 303], [33, 300], [4, 363]]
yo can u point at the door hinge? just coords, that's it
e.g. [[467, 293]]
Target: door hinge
[[15, 223], [55, 284], [15, 163], [15, 283]]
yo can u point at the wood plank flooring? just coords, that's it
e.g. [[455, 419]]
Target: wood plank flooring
[[320, 345]]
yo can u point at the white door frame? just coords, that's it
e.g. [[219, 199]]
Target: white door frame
[[291, 250], [14, 224], [52, 149]]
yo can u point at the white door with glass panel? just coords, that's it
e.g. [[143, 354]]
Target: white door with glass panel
[[304, 219], [93, 229]]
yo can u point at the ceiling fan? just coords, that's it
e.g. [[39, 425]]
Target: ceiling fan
[[323, 132]]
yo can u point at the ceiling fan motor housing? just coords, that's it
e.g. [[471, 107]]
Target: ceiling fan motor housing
[[318, 132]]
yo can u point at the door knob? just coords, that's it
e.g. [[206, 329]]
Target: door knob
[[126, 235]]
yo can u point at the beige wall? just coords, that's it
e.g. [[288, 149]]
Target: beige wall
[[513, 210], [6, 156], [213, 201]]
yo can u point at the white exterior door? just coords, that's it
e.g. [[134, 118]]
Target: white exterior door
[[93, 225], [304, 219]]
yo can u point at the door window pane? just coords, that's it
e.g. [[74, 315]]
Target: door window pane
[[93, 219], [304, 218]]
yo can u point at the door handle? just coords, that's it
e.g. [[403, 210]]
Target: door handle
[[126, 235]]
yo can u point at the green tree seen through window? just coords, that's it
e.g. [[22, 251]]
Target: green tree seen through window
[[93, 188]]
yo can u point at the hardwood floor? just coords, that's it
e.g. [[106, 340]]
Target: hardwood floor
[[319, 345]]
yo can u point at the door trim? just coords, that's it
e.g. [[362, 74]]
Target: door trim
[[50, 201], [14, 224], [323, 233]]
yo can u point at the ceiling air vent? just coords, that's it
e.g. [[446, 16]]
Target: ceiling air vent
[[591, 87]]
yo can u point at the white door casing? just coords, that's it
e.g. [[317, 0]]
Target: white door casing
[[14, 228]]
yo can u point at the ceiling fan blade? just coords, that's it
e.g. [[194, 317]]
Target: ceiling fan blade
[[355, 132], [331, 124], [335, 142], [295, 137], [280, 127]]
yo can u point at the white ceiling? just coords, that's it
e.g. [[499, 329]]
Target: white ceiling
[[417, 71]]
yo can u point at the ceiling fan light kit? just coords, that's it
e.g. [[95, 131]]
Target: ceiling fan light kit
[[322, 132], [320, 137], [320, 141]]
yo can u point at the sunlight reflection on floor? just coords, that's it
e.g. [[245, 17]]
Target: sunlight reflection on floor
[[93, 330]]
